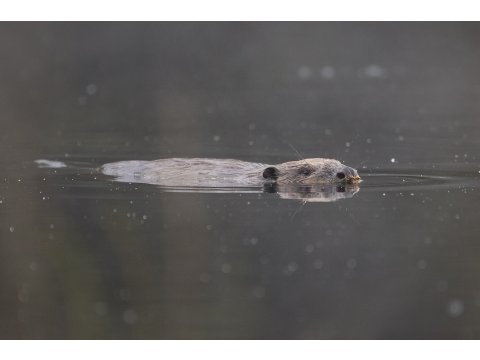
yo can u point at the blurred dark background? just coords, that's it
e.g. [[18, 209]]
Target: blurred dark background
[[84, 258]]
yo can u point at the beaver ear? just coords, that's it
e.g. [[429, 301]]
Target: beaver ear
[[270, 172]]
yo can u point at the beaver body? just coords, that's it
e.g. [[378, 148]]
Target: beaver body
[[198, 172]]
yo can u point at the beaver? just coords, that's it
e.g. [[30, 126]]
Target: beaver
[[199, 172], [308, 180]]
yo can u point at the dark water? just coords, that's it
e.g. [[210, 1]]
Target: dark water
[[83, 256]]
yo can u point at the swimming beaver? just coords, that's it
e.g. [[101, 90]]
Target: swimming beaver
[[197, 172]]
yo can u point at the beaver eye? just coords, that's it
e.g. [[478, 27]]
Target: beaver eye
[[305, 171], [341, 175]]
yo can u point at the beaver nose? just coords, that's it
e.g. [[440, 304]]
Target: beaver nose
[[353, 179], [352, 176]]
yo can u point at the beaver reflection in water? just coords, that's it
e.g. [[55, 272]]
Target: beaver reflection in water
[[196, 172]]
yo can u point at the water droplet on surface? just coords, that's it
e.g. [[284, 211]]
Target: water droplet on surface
[[327, 72], [226, 268], [91, 89], [374, 71], [422, 264], [309, 248], [292, 267], [351, 264], [455, 308], [304, 73]]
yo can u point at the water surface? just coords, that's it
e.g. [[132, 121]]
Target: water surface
[[85, 256]]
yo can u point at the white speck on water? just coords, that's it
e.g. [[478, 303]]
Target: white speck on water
[[309, 248], [327, 72], [216, 138], [374, 71], [383, 194], [258, 292], [351, 264], [455, 308], [91, 89], [209, 227], [130, 317], [33, 266], [254, 241], [144, 217], [42, 163], [412, 194], [304, 72], [226, 268], [251, 143], [457, 216], [422, 264], [114, 210], [392, 160], [318, 264], [292, 267], [400, 138], [12, 229], [347, 144], [369, 141], [100, 308], [328, 132]]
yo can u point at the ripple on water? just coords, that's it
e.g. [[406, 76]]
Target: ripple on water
[[392, 180]]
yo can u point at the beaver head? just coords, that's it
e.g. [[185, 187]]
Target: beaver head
[[311, 171]]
